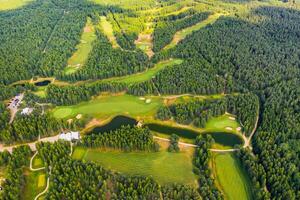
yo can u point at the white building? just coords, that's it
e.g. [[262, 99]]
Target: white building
[[69, 136], [26, 111]]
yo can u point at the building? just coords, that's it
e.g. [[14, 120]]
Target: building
[[26, 111], [70, 136]]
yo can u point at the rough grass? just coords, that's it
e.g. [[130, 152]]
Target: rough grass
[[37, 162], [80, 56], [12, 4], [180, 35], [231, 177], [105, 106], [163, 166], [107, 29], [148, 74], [35, 182]]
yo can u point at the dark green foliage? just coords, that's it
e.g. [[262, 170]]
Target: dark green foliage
[[179, 192], [168, 26], [68, 95], [105, 61], [14, 182], [173, 147], [125, 138], [192, 76], [28, 128], [207, 189]]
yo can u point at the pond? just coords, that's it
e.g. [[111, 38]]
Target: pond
[[225, 139], [222, 138], [42, 83], [114, 124]]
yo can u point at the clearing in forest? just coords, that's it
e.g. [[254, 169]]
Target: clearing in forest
[[146, 75], [107, 106], [180, 35], [107, 29], [12, 4], [83, 49], [35, 182], [231, 177], [144, 41], [163, 166]]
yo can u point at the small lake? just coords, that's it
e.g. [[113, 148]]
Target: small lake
[[42, 83], [116, 123], [226, 139]]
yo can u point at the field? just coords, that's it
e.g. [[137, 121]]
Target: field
[[163, 166], [230, 177], [79, 58], [12, 4], [37, 162], [222, 123], [180, 35], [146, 75], [35, 183], [108, 31], [105, 106]]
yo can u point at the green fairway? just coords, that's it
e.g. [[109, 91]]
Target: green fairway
[[163, 166], [224, 123], [37, 162], [35, 182], [180, 35], [231, 177], [83, 49], [107, 29], [12, 4], [148, 74], [105, 106]]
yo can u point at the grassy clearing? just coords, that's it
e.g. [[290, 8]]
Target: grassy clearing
[[180, 35], [12, 4], [37, 162], [163, 166], [105, 106], [83, 48], [107, 29], [231, 177], [35, 182], [146, 75], [222, 124]]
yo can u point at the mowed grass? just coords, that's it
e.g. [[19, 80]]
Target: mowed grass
[[35, 182], [80, 56], [37, 162], [222, 123], [105, 106], [180, 35], [231, 177], [107, 29], [163, 166], [148, 74], [12, 4]]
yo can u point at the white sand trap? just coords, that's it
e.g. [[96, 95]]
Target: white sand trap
[[148, 101], [142, 98], [232, 118], [228, 128], [78, 116]]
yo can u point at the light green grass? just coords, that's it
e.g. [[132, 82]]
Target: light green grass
[[105, 106], [231, 177], [37, 162], [219, 124], [163, 166], [12, 4], [107, 29], [148, 74], [35, 182], [180, 35], [80, 56]]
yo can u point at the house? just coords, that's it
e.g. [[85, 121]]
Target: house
[[69, 136], [26, 111]]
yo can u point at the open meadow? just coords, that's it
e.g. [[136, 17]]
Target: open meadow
[[231, 177], [12, 4], [163, 166], [35, 182]]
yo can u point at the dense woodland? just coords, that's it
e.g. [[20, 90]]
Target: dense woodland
[[125, 138], [198, 112]]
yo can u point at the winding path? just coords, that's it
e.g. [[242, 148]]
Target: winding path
[[46, 189]]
